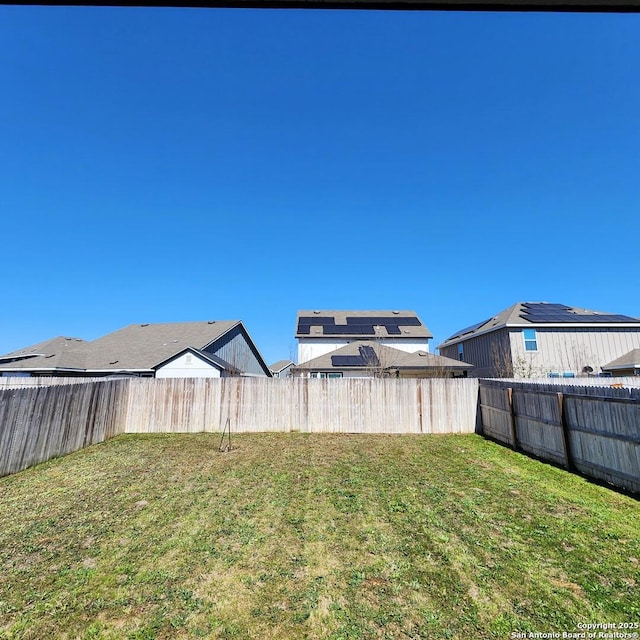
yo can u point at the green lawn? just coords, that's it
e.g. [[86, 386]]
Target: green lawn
[[311, 536]]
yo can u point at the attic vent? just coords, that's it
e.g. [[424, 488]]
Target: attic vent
[[175, 341], [114, 361], [316, 311], [396, 312], [421, 353], [211, 322], [50, 355], [146, 324]]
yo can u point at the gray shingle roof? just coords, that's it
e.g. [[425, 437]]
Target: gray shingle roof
[[629, 360], [537, 314], [277, 367], [44, 348], [388, 357], [138, 347], [360, 324]]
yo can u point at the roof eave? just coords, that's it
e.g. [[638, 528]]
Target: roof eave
[[535, 325]]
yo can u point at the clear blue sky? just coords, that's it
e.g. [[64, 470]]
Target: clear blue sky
[[165, 165]]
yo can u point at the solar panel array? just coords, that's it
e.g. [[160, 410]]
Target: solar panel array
[[470, 329], [367, 358], [546, 312], [363, 326], [306, 322]]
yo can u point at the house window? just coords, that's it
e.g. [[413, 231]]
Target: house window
[[530, 342], [324, 374], [460, 352], [335, 374]]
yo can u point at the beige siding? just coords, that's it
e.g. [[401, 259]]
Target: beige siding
[[572, 349]]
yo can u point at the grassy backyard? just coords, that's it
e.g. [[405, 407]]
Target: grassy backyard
[[311, 536]]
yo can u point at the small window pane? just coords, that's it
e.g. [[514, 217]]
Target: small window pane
[[530, 343]]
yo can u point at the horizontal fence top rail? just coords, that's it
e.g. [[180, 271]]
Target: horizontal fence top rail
[[580, 387]]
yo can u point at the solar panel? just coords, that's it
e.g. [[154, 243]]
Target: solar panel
[[470, 329], [348, 329], [315, 320], [369, 355], [405, 321], [306, 322], [547, 312], [347, 361]]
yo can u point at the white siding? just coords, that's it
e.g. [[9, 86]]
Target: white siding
[[310, 348], [188, 365]]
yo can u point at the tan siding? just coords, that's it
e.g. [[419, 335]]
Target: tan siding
[[572, 349]]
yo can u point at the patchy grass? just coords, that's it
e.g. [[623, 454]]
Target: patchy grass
[[311, 536]]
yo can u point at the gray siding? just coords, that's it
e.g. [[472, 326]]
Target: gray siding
[[489, 353], [235, 349]]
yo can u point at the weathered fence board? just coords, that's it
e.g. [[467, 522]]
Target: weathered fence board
[[40, 423], [296, 404], [596, 429], [593, 429]]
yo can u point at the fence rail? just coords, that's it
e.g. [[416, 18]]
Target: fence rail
[[41, 422], [594, 429]]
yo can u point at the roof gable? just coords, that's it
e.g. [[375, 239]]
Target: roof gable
[[206, 357], [137, 347], [361, 355]]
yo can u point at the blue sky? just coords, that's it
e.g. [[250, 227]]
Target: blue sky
[[161, 165]]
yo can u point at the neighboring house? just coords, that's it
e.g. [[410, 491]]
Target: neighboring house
[[534, 339], [366, 359], [176, 350], [281, 369], [626, 365], [321, 332]]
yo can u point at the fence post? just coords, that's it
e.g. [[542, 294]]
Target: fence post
[[512, 419], [419, 389], [564, 430]]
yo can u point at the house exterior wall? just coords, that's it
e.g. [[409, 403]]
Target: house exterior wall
[[310, 348], [490, 354], [188, 365], [572, 349], [562, 350], [345, 374], [235, 349], [285, 373]]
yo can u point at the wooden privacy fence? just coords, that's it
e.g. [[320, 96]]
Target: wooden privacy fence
[[594, 430], [356, 405], [39, 423]]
